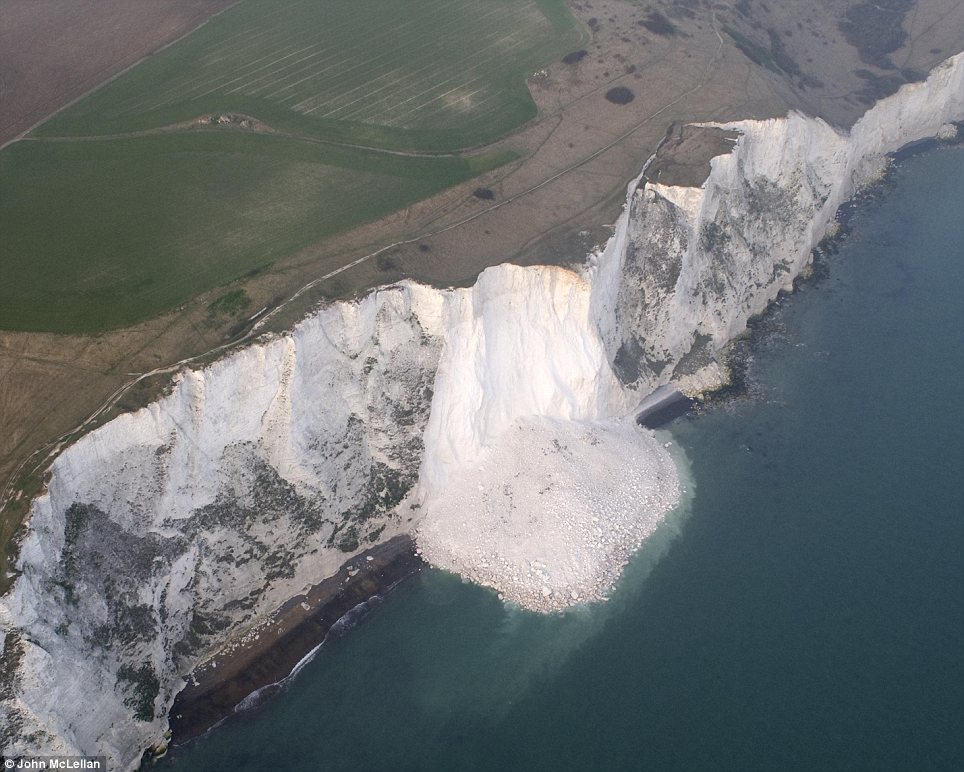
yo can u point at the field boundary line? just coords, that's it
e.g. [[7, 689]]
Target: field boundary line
[[112, 78]]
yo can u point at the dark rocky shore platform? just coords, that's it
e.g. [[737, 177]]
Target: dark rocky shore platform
[[218, 686]]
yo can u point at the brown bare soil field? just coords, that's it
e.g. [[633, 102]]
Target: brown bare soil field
[[551, 206], [54, 51]]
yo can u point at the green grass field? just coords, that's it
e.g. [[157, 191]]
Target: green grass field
[[104, 234], [421, 74]]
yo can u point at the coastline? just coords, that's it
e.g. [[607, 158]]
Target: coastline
[[710, 569], [214, 695], [738, 356], [830, 244], [277, 648]]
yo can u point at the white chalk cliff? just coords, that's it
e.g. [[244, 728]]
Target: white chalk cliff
[[496, 422]]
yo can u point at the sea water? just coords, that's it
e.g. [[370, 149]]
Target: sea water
[[804, 609]]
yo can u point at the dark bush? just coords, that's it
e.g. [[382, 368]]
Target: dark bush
[[658, 24], [145, 688], [620, 95]]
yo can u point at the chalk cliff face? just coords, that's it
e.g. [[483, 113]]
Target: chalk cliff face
[[495, 421], [167, 530], [694, 264], [529, 486]]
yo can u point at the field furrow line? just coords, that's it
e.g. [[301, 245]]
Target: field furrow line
[[395, 52], [224, 85], [325, 71], [181, 91], [407, 78], [440, 96], [355, 115]]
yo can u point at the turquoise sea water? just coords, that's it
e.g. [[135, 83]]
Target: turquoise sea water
[[805, 610]]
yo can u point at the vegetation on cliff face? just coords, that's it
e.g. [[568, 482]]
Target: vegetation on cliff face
[[143, 687]]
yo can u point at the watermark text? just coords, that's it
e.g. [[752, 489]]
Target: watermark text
[[93, 763]]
